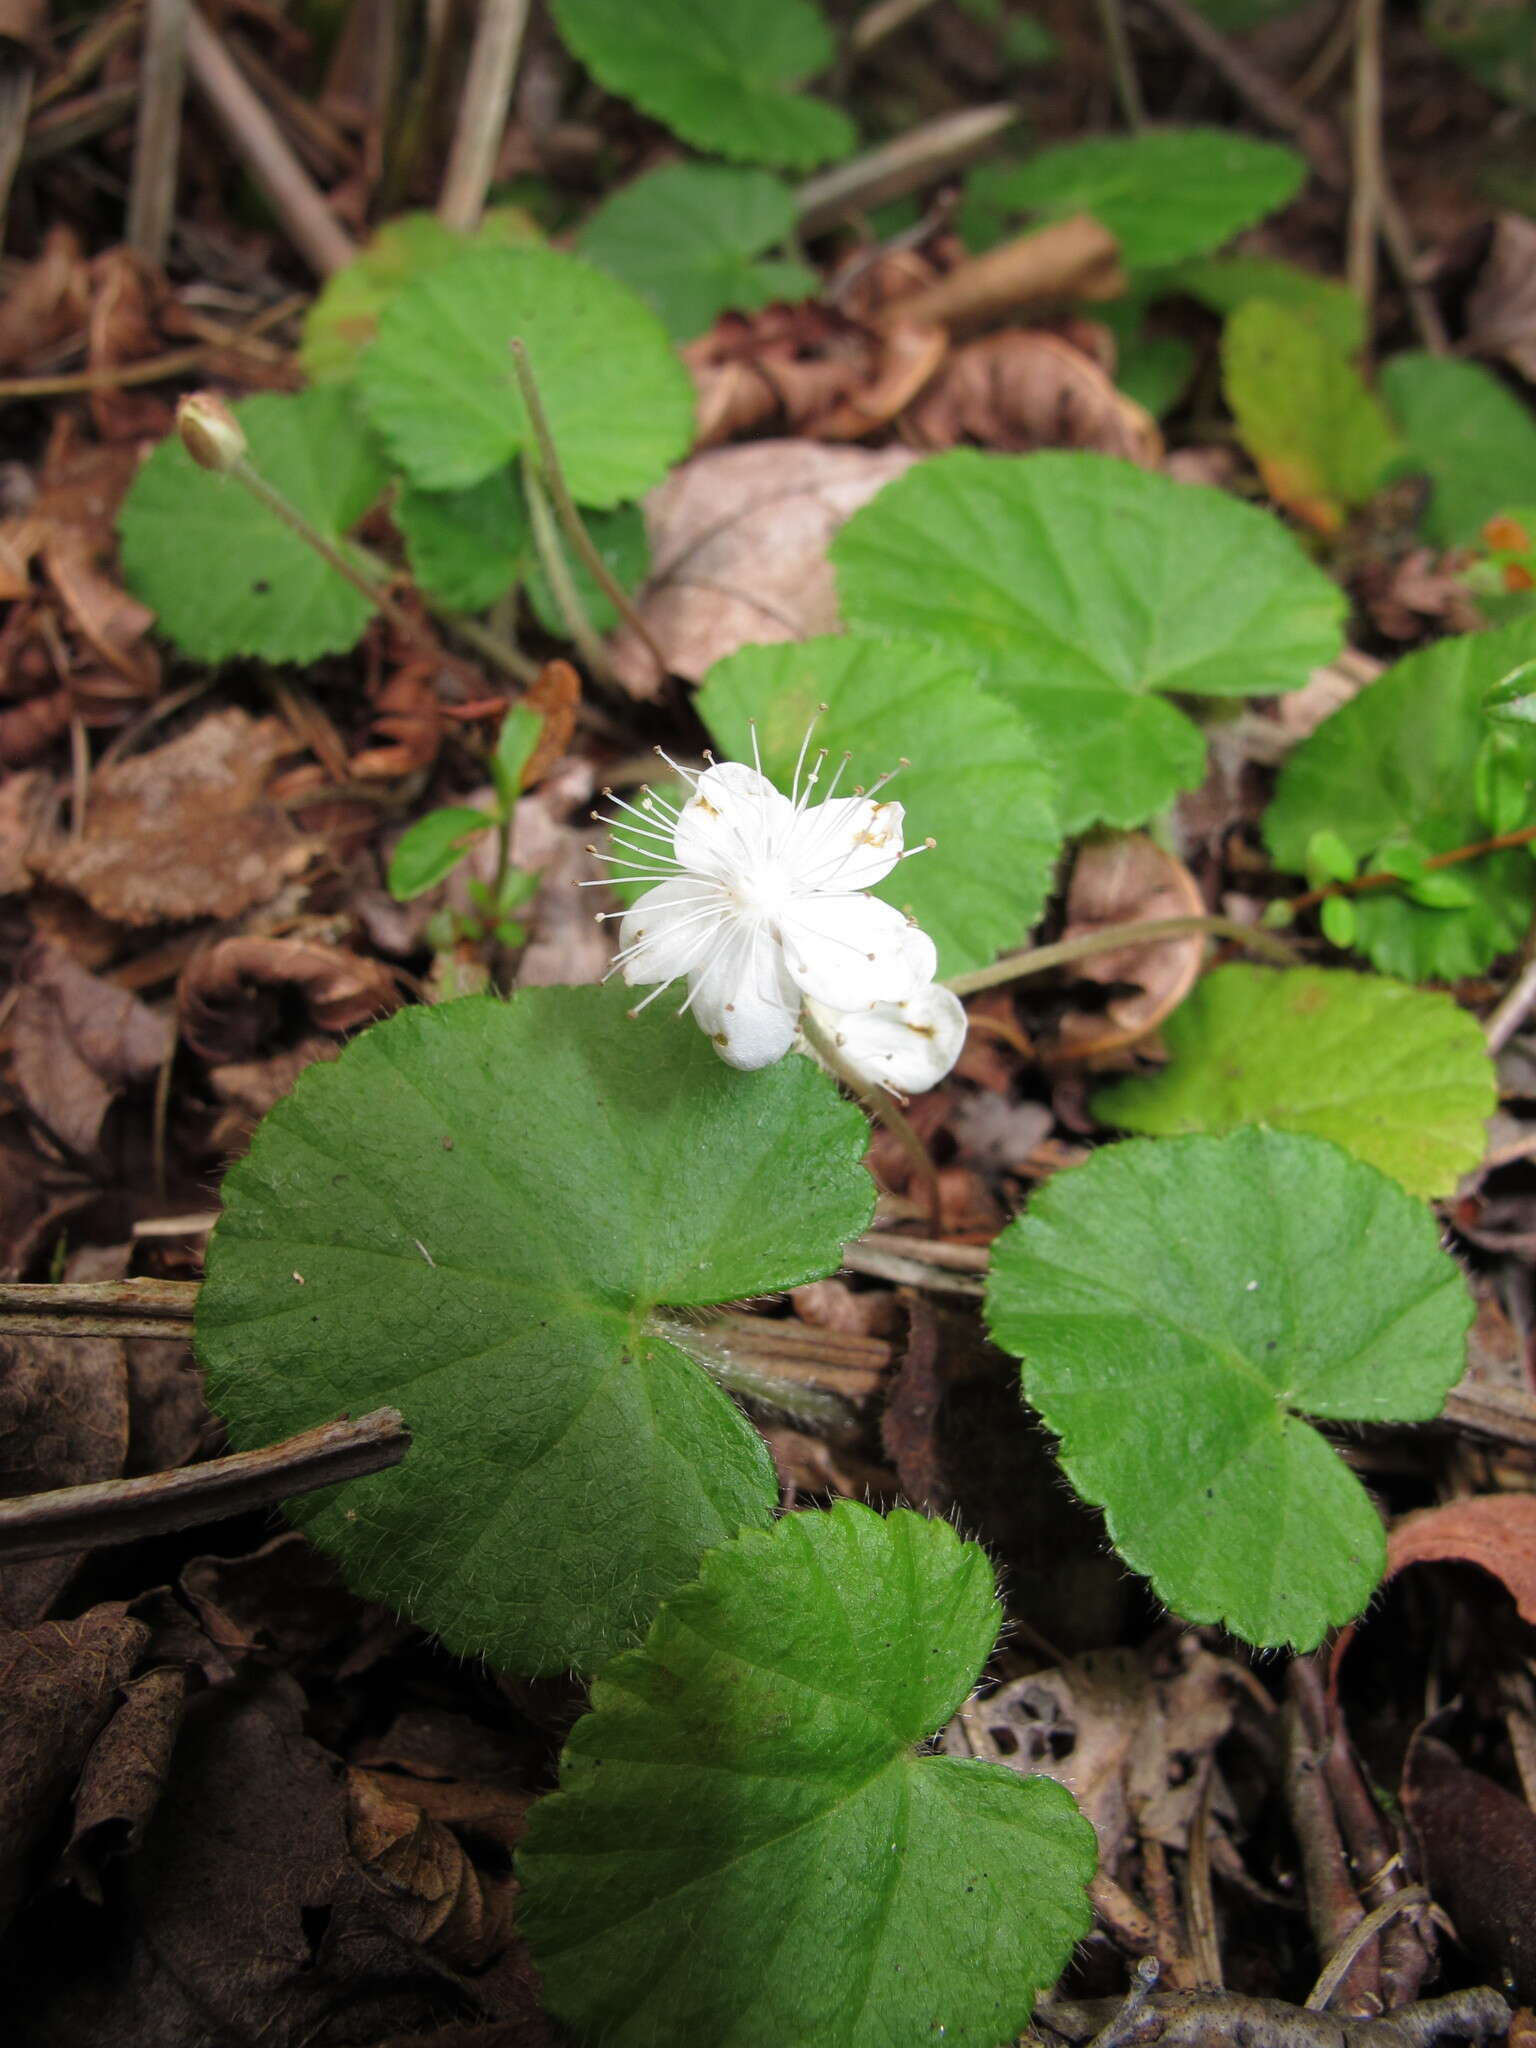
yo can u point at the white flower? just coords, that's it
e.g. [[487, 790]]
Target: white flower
[[760, 905], [906, 1047]]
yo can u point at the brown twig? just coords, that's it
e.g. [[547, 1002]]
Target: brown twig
[[1122, 65], [298, 202], [482, 112], [1380, 878], [157, 144], [1215, 2019], [123, 1510], [923, 154], [18, 74], [1333, 1906], [97, 1308], [178, 362], [1365, 155]]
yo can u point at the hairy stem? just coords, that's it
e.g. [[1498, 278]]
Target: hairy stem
[[1110, 938], [882, 1108], [565, 505]]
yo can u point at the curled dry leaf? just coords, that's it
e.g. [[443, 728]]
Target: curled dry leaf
[[738, 540], [408, 726], [111, 623], [77, 1042], [29, 729], [555, 696], [26, 806], [49, 300], [783, 367], [1027, 388], [430, 1891], [230, 997], [58, 1688], [909, 357], [122, 327], [1495, 1531], [183, 832], [123, 1777], [1119, 878]]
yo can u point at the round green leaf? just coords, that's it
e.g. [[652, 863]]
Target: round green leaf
[[1082, 586], [1180, 1305], [1164, 195], [1399, 1076], [345, 315], [465, 547], [471, 1216], [1399, 762], [687, 239], [439, 383], [720, 73], [224, 574], [745, 1850], [1472, 437], [975, 782]]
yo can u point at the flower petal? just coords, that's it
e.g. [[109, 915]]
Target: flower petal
[[729, 820], [906, 1046], [669, 930], [745, 1001], [849, 842], [851, 951]]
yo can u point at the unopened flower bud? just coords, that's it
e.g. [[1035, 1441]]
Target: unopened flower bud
[[210, 433]]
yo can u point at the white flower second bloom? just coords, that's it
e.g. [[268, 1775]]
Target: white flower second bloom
[[760, 907]]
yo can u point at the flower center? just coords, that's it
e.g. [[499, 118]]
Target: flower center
[[761, 890]]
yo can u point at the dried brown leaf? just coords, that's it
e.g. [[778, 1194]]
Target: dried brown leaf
[[555, 696], [782, 367], [1116, 880], [29, 729], [431, 1893], [58, 1687], [63, 1422], [35, 1197], [112, 623], [739, 541], [50, 299], [287, 1601], [1026, 389], [183, 832], [1495, 1531], [26, 806], [77, 1042], [1501, 310], [231, 995], [123, 1777]]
